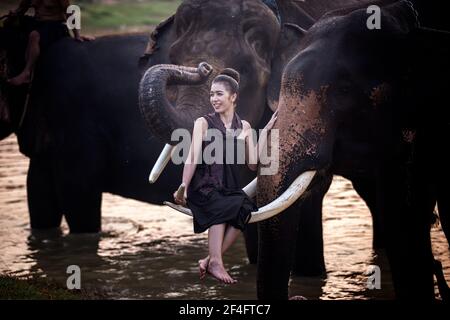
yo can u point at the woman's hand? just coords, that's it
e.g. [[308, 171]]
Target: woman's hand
[[180, 195], [272, 120]]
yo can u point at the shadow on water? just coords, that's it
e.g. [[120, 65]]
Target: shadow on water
[[308, 287], [53, 252]]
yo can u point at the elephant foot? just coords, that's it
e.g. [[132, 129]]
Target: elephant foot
[[307, 270], [217, 270], [37, 236], [297, 298], [47, 233], [203, 267]]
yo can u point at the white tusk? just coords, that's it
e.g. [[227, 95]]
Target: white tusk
[[292, 194], [161, 163], [179, 208], [250, 189], [295, 191]]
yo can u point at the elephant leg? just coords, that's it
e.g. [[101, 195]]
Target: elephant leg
[[251, 242], [82, 177], [43, 207], [83, 209], [309, 258], [407, 208], [366, 189], [277, 238]]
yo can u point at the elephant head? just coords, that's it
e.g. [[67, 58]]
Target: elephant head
[[352, 101], [241, 34]]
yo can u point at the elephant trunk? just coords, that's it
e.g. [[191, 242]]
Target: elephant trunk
[[304, 145], [305, 139], [161, 117]]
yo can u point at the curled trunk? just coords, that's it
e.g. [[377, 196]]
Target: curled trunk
[[161, 117]]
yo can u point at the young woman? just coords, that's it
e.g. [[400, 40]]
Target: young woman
[[212, 190], [50, 26]]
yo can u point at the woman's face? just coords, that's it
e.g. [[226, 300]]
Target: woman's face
[[221, 99]]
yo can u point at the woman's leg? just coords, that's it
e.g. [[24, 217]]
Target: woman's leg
[[231, 235], [215, 242], [33, 51]]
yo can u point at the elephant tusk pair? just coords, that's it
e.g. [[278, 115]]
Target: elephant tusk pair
[[292, 194]]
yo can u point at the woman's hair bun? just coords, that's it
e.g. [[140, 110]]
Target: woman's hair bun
[[231, 73]]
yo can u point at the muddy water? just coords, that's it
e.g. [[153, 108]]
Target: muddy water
[[150, 252]]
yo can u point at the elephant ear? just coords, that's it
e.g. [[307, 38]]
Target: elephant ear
[[287, 47], [157, 51]]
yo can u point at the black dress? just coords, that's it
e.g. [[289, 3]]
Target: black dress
[[214, 195]]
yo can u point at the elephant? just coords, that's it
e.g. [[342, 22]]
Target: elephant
[[367, 104], [82, 129]]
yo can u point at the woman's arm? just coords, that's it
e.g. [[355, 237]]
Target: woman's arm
[[250, 147], [195, 150], [253, 152], [200, 127]]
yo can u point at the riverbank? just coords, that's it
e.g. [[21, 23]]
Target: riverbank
[[15, 288]]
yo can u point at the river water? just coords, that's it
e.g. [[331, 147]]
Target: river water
[[150, 252]]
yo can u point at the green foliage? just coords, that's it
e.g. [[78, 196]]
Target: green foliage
[[111, 16], [126, 14]]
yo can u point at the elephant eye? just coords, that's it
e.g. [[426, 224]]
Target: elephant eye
[[344, 84]]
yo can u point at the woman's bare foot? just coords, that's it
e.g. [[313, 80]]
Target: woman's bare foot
[[22, 78], [216, 269], [203, 266]]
